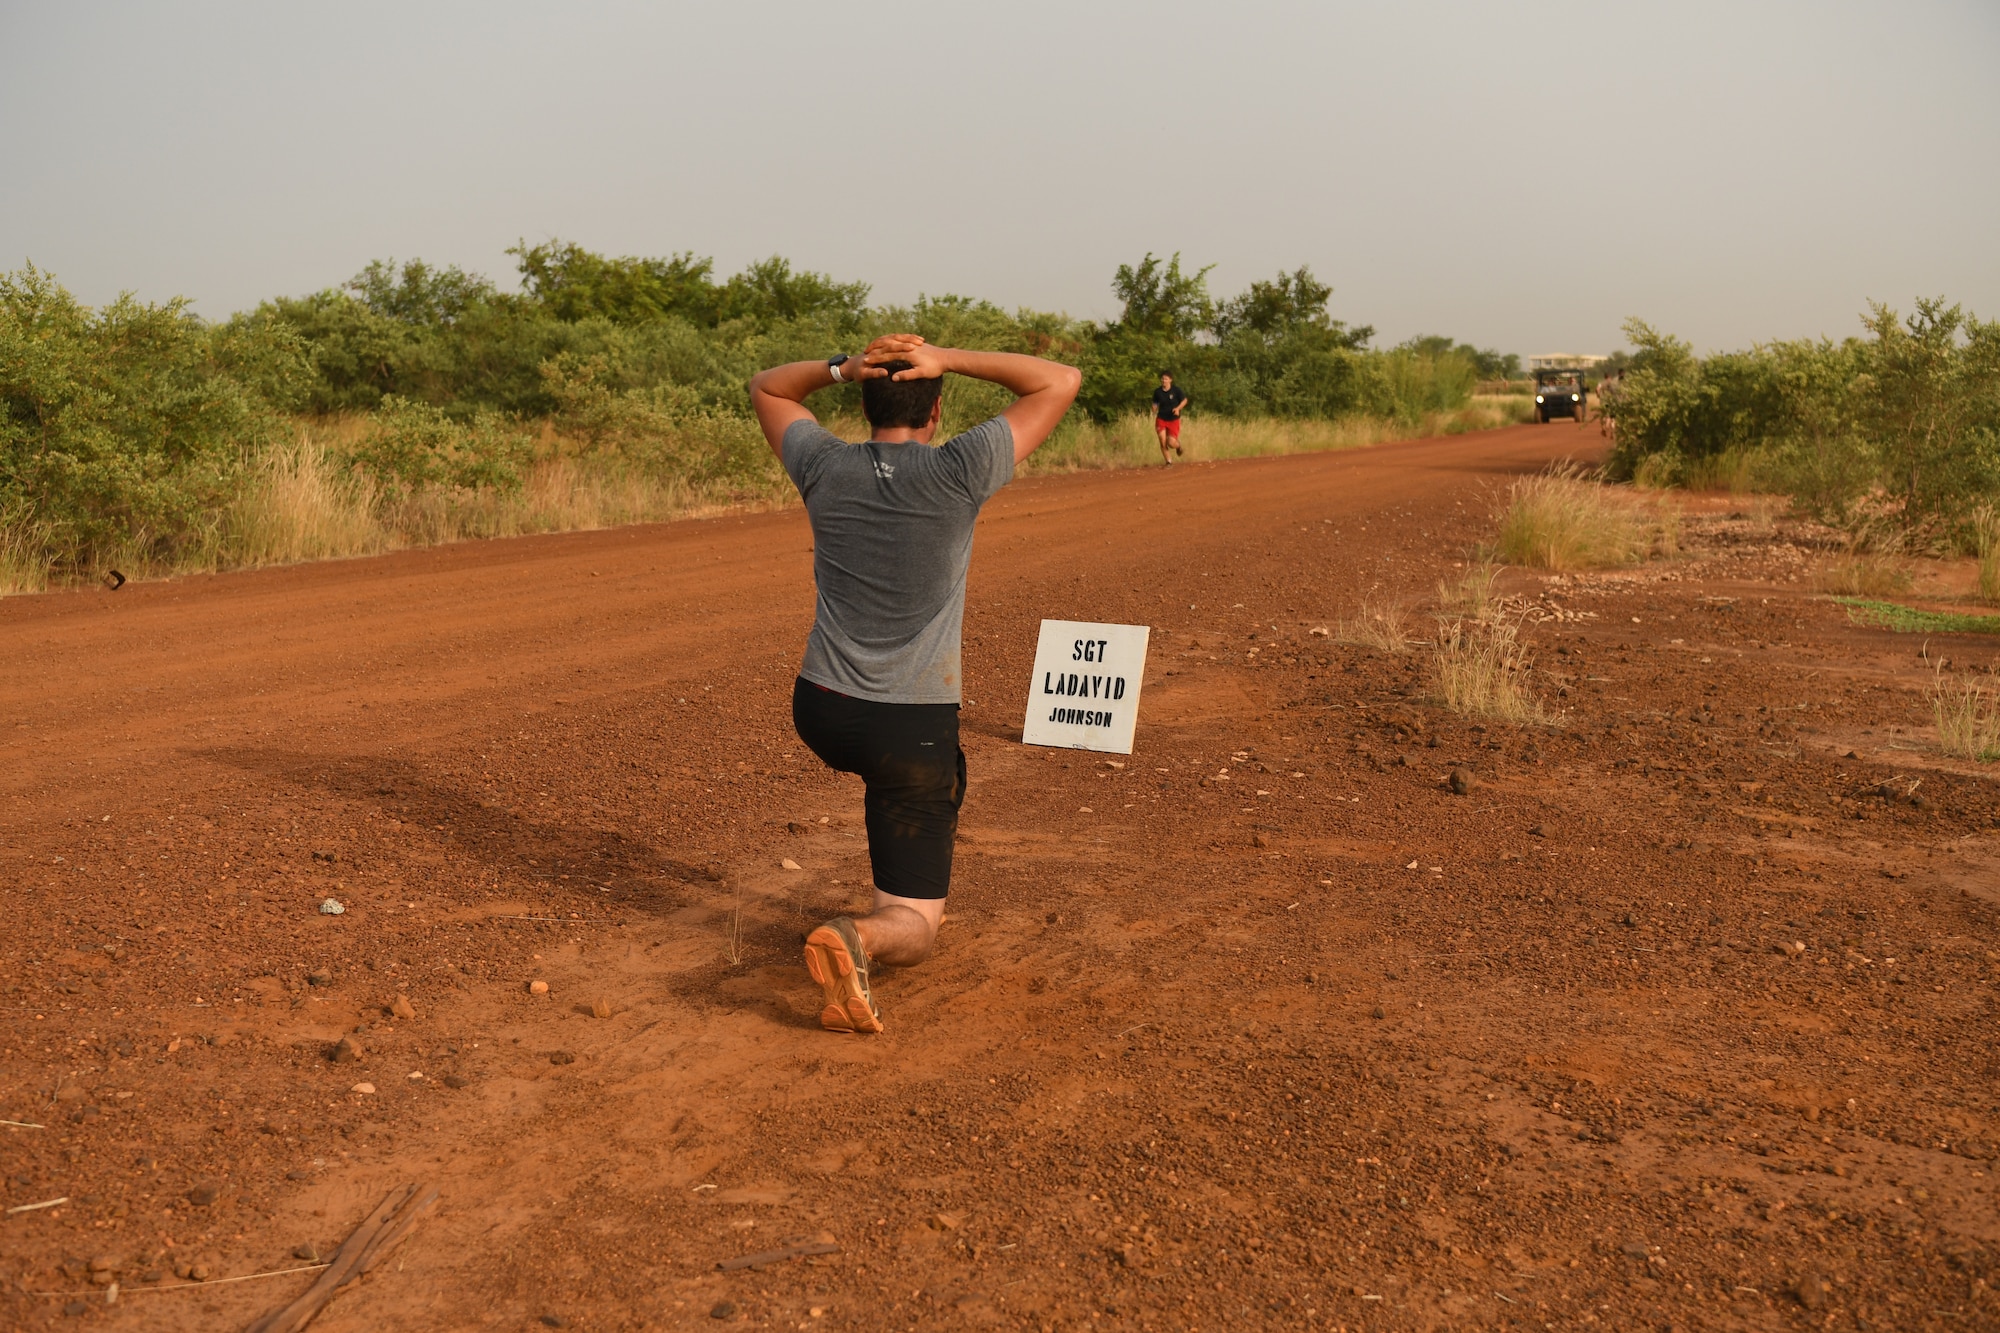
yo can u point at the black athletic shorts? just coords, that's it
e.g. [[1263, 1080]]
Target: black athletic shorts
[[908, 756]]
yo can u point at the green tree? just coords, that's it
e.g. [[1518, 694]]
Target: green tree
[[1160, 301], [1933, 407]]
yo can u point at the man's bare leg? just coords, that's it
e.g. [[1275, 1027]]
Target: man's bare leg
[[900, 931], [1165, 455]]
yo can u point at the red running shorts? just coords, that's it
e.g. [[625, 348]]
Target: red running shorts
[[1172, 428]]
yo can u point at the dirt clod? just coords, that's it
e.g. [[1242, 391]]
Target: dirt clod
[[400, 1007], [538, 988], [600, 1009], [346, 1051], [1461, 780], [201, 1196], [722, 1310]]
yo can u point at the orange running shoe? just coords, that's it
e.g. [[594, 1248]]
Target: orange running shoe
[[837, 961]]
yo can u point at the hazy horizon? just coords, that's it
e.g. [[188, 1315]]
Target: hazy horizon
[[1521, 179]]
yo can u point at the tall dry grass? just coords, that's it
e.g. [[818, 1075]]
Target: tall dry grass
[[299, 503], [1479, 668], [1967, 712], [1562, 520], [1863, 574], [1986, 538], [1129, 442], [24, 558]]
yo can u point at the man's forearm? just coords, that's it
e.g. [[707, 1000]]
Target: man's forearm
[[793, 382], [1019, 374]]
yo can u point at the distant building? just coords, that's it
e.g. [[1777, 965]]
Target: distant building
[[1565, 361]]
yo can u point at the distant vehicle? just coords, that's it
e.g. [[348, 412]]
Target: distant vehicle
[[1560, 393]]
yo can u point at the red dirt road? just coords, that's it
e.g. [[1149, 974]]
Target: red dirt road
[[1679, 1017]]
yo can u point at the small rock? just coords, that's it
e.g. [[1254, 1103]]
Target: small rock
[[103, 1263], [75, 1308], [561, 1058], [319, 978], [555, 1321], [1378, 1012], [789, 864], [538, 988], [331, 907], [346, 1051], [365, 1089], [152, 1275], [720, 1310], [1811, 1290], [201, 1196], [402, 1008], [308, 1252], [947, 1221], [1538, 832], [601, 1009], [1259, 840], [456, 1081], [1461, 781], [298, 1175]]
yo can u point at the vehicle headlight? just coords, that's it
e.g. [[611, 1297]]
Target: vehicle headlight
[[1575, 399], [1538, 398]]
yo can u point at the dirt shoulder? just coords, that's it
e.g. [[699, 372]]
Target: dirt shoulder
[[1682, 1015]]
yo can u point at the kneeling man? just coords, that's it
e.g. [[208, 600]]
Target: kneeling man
[[879, 690]]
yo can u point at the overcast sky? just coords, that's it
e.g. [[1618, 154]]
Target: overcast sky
[[1520, 175]]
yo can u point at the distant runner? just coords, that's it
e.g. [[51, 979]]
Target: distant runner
[[1168, 400], [879, 691]]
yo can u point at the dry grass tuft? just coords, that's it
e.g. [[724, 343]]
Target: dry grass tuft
[[1481, 669], [1967, 711], [1986, 535], [1563, 520], [1863, 574], [1378, 625], [1471, 594]]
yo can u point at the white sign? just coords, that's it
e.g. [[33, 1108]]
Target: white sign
[[1085, 694]]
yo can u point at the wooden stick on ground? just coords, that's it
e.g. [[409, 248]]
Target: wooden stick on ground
[[380, 1232]]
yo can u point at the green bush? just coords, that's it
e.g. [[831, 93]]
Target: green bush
[[121, 428], [414, 394], [1901, 427]]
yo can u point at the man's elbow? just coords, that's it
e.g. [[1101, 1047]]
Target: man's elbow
[[1070, 381]]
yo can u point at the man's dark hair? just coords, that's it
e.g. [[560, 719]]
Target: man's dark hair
[[1166, 374], [888, 403]]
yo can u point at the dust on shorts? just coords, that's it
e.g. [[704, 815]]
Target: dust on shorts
[[909, 758]]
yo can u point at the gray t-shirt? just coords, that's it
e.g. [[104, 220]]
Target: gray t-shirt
[[892, 536]]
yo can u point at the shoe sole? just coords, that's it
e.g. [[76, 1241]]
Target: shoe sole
[[829, 963]]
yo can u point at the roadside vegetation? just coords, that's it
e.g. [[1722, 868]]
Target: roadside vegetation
[[415, 404], [1966, 709], [1564, 519], [1480, 668], [1893, 437]]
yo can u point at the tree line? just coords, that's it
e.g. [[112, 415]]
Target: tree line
[[129, 427]]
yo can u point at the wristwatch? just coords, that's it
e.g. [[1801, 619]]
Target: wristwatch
[[833, 365]]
